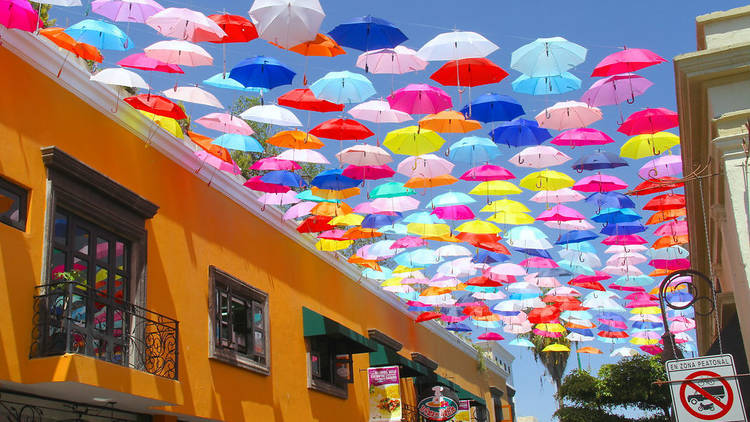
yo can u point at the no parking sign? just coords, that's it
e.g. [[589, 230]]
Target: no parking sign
[[708, 391]]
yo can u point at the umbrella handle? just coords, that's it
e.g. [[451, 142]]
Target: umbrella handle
[[447, 152], [521, 160], [631, 100], [580, 258], [546, 113], [653, 173], [625, 248], [579, 170]]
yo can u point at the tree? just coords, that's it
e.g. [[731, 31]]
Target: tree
[[554, 362], [43, 10], [628, 384]]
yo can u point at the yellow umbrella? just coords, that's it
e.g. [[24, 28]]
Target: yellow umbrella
[[495, 187], [557, 347], [515, 218], [449, 121], [395, 281], [335, 194], [330, 209], [546, 180], [505, 205], [350, 219], [648, 310], [413, 140], [647, 145], [644, 341], [478, 227], [551, 328], [403, 269], [167, 123], [432, 230], [330, 245]]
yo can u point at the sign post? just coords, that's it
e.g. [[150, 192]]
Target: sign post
[[705, 389]]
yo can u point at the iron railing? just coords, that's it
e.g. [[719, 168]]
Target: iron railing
[[71, 317]]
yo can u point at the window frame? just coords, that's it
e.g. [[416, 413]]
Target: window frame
[[334, 356], [255, 298], [23, 204]]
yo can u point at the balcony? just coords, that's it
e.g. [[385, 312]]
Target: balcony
[[71, 317]]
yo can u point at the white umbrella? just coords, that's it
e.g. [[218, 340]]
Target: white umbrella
[[65, 3], [120, 77], [378, 111], [506, 268], [395, 204], [461, 267], [397, 60], [181, 23], [569, 225], [568, 115], [588, 259], [364, 155], [285, 198], [522, 328], [627, 259], [578, 337], [287, 22], [622, 270], [427, 165], [453, 250], [490, 295], [192, 94], [624, 351], [539, 156], [304, 156], [456, 45], [272, 115], [178, 52], [625, 248]]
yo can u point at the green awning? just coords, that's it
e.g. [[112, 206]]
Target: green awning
[[460, 391], [317, 325], [385, 356]]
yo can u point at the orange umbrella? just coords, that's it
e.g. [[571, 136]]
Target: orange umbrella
[[66, 42], [296, 139], [449, 121], [661, 272], [335, 194], [356, 259], [361, 233], [329, 209], [321, 46], [667, 241], [215, 150], [430, 182], [666, 215], [580, 326], [442, 238], [589, 349]]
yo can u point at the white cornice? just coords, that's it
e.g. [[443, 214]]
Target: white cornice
[[47, 58]]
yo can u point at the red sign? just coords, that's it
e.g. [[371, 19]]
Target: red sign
[[706, 399]]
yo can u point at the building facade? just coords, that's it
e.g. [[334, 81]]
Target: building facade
[[139, 285], [713, 98]]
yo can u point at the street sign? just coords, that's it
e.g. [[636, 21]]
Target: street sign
[[708, 391]]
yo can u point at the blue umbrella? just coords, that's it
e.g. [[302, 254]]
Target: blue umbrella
[[552, 272], [580, 247], [238, 142], [676, 297], [284, 177], [631, 227], [449, 199], [616, 215], [262, 72], [610, 200], [519, 132], [608, 328], [534, 252], [582, 331], [343, 87], [489, 257], [423, 218], [493, 108], [575, 236], [610, 316], [222, 80], [458, 326], [367, 33], [334, 180], [598, 161], [547, 57], [376, 221], [100, 34], [545, 85], [487, 324], [473, 149], [394, 228], [647, 325]]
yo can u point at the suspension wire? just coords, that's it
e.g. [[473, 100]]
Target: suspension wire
[[710, 266]]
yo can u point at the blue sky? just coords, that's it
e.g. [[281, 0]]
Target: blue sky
[[665, 26]]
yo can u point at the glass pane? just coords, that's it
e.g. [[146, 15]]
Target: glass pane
[[224, 330], [57, 264], [101, 277], [100, 348], [119, 288], [239, 324], [100, 316], [80, 271], [78, 309], [259, 344], [258, 316], [9, 205], [77, 342], [81, 240], [102, 249], [61, 228], [117, 323], [120, 256]]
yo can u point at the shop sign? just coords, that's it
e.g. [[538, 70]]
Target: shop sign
[[439, 406], [385, 394], [464, 411]]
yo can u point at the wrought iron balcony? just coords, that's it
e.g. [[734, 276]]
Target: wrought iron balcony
[[71, 317]]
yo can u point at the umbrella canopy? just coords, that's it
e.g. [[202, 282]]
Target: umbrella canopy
[[343, 87], [237, 29], [616, 89], [546, 180], [66, 42], [19, 14], [100, 34], [126, 10], [367, 33], [185, 24], [599, 183], [342, 129], [222, 80], [143, 62], [396, 61], [469, 72], [287, 22], [272, 115], [226, 123], [304, 99], [568, 115], [262, 72], [181, 53], [420, 99], [378, 111], [427, 165], [121, 77], [519, 132], [456, 45], [449, 121], [650, 120], [625, 61], [582, 137], [547, 57], [598, 161], [192, 94], [156, 104], [295, 139], [364, 155], [539, 157], [647, 145], [238, 142], [473, 149], [412, 140], [493, 108], [546, 85], [668, 165]]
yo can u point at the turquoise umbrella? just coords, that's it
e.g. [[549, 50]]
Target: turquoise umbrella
[[385, 274], [238, 142], [343, 87], [100, 34], [518, 341], [545, 85], [307, 195], [576, 268], [635, 281], [417, 258], [222, 80], [391, 190], [547, 57], [422, 217], [394, 229], [473, 149], [449, 199]]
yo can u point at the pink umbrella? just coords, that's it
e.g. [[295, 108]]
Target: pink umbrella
[[641, 304], [568, 115], [367, 208], [547, 333], [599, 183], [19, 14], [560, 213], [335, 234], [395, 204], [255, 183], [454, 212], [368, 172], [427, 165], [505, 269], [652, 349], [622, 270], [448, 318], [409, 242], [272, 163], [668, 165], [299, 210], [539, 262], [224, 122], [624, 239], [680, 324], [490, 336], [143, 62], [539, 156], [557, 196], [670, 264], [546, 282], [582, 137], [672, 228], [286, 198], [184, 24], [218, 163], [650, 120], [616, 89], [649, 335], [627, 60], [126, 10], [614, 286], [396, 60], [420, 99], [378, 111], [487, 173]]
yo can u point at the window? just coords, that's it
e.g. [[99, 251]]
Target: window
[[239, 316], [13, 204], [497, 403], [330, 366]]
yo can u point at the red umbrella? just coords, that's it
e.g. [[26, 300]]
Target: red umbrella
[[238, 29], [156, 104], [493, 247], [368, 172], [477, 311], [342, 129], [670, 201], [490, 336], [315, 223], [469, 72], [304, 99], [613, 334], [544, 315], [650, 120], [476, 238], [255, 183], [660, 184], [626, 61], [591, 285], [652, 349], [598, 276], [142, 62], [426, 316], [482, 281]]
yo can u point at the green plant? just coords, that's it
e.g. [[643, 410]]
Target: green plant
[[43, 10]]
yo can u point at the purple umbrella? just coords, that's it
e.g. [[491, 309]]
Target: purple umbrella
[[616, 89], [420, 99], [668, 165], [126, 10]]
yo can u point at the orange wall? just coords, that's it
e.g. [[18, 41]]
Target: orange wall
[[196, 226]]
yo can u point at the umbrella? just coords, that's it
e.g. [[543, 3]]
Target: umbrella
[[272, 163], [546, 180], [456, 45], [473, 149], [284, 178], [420, 99], [493, 108], [427, 165], [616, 89], [180, 53], [519, 132], [568, 115], [478, 226], [469, 72], [378, 111], [668, 165], [616, 215], [369, 172], [185, 24], [304, 156], [334, 180], [167, 123], [120, 77], [66, 42], [343, 87], [557, 196], [237, 29], [156, 104], [449, 199], [304, 99], [238, 142], [650, 120], [272, 115], [204, 142], [100, 34], [539, 157], [599, 183], [486, 173], [342, 129], [511, 217], [449, 121], [222, 80], [390, 190], [627, 60], [321, 46], [19, 14], [262, 72], [295, 139], [546, 85], [547, 57], [598, 161], [669, 201], [192, 94], [225, 123], [560, 213], [364, 155], [660, 184], [287, 22], [495, 187], [504, 205], [610, 200], [218, 163], [648, 144], [367, 33], [582, 137], [412, 140], [143, 62], [396, 61], [126, 10]]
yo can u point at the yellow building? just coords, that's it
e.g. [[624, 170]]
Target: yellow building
[[713, 100], [138, 284]]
